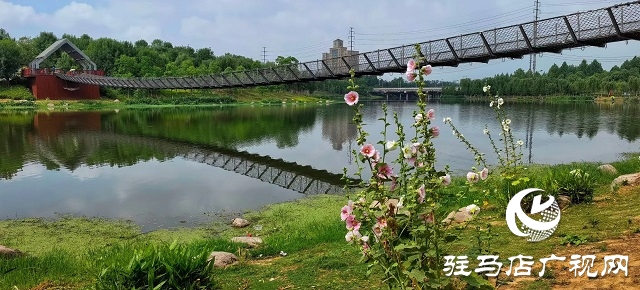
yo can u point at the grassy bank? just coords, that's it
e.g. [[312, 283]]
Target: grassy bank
[[73, 252], [18, 97], [546, 99], [534, 99]]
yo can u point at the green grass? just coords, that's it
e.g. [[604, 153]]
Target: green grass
[[74, 251], [15, 93]]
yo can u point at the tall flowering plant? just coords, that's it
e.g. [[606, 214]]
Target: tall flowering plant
[[511, 175], [394, 218]]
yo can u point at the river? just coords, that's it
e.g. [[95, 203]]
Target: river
[[162, 168]]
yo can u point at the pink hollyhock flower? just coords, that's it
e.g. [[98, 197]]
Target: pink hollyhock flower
[[412, 160], [411, 76], [415, 147], [446, 180], [472, 177], [418, 118], [435, 131], [377, 231], [365, 246], [352, 223], [421, 194], [431, 114], [374, 160], [368, 150], [352, 236], [385, 171], [484, 173], [347, 210], [428, 218], [351, 98], [381, 222], [394, 183], [426, 70], [411, 65]]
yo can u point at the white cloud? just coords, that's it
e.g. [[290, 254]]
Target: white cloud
[[13, 16], [85, 172]]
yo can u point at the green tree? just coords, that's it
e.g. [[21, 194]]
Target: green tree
[[4, 34], [9, 58]]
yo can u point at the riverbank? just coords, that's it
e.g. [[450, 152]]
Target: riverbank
[[304, 243], [18, 97], [551, 99]]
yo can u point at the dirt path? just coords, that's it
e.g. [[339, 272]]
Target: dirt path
[[564, 278]]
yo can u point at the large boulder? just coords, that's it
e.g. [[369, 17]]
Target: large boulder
[[462, 215], [222, 259], [250, 241], [632, 179], [564, 201], [239, 223], [608, 168], [9, 253]]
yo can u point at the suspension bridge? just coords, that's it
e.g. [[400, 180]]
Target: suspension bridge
[[590, 28]]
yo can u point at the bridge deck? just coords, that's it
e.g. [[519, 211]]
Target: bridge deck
[[590, 28]]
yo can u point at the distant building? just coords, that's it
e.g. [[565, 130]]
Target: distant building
[[333, 61]]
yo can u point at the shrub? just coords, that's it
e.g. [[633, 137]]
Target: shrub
[[16, 93], [576, 184], [160, 267]]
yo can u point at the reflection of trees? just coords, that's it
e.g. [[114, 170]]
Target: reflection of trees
[[629, 123], [21, 141], [338, 126], [14, 129], [579, 119], [225, 127]]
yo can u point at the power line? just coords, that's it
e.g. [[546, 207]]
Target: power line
[[532, 57], [351, 38], [264, 54], [473, 23]]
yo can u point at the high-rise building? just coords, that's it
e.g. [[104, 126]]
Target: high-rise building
[[333, 61]]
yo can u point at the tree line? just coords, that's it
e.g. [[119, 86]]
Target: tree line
[[583, 79]]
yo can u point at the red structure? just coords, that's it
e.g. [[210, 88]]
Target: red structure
[[51, 124], [45, 84]]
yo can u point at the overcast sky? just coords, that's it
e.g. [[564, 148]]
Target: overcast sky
[[303, 28]]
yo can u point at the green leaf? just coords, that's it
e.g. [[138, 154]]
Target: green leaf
[[476, 281], [450, 238], [416, 274], [405, 247]]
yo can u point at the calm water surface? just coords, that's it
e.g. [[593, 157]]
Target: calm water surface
[[171, 167]]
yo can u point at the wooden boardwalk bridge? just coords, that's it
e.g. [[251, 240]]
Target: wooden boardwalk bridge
[[591, 28]]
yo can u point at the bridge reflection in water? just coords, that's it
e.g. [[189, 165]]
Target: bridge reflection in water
[[52, 130]]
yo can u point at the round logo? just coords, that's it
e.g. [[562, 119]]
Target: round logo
[[535, 230]]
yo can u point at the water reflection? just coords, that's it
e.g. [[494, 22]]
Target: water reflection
[[159, 167], [338, 127], [74, 148]]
